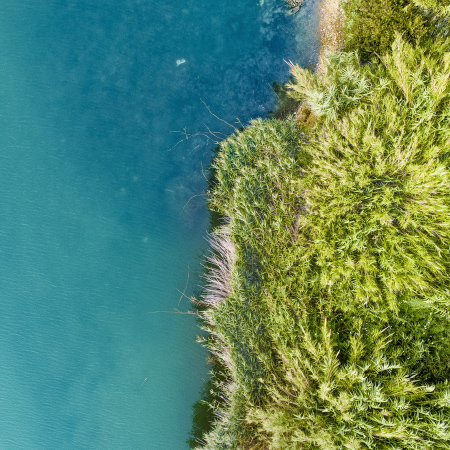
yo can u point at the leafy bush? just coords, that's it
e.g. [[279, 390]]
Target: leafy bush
[[345, 86], [442, 6], [371, 25], [377, 186], [369, 402]]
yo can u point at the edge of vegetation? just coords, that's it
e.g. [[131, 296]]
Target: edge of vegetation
[[326, 307]]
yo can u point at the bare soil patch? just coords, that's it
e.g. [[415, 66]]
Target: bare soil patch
[[331, 30]]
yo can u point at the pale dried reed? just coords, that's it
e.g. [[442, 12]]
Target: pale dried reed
[[219, 264]]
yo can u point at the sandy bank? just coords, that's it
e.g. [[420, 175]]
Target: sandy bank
[[331, 23]]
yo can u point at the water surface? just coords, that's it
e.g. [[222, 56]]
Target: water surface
[[106, 120]]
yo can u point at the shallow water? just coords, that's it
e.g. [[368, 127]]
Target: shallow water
[[105, 128]]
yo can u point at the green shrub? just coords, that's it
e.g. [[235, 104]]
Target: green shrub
[[377, 187], [371, 25], [442, 6], [272, 141], [371, 402], [345, 85]]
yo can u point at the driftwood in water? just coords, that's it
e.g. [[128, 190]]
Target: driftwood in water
[[294, 5]]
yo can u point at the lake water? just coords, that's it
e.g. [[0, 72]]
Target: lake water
[[104, 130]]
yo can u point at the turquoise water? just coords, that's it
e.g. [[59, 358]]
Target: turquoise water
[[95, 230]]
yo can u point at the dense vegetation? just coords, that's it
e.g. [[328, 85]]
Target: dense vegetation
[[371, 25], [327, 304]]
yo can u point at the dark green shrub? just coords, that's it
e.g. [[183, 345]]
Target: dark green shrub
[[371, 25]]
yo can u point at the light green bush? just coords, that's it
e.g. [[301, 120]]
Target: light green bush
[[371, 402], [346, 85], [377, 186]]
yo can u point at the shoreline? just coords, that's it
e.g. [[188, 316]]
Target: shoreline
[[290, 271], [331, 30]]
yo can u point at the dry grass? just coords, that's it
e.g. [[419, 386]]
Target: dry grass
[[331, 35], [220, 261]]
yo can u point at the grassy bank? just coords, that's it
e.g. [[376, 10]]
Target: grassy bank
[[327, 305]]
